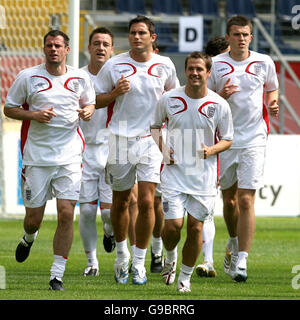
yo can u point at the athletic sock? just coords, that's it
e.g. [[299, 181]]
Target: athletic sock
[[157, 246], [185, 273], [138, 260], [30, 237], [234, 245], [208, 235], [122, 252], [105, 217], [171, 255], [242, 260], [58, 267]]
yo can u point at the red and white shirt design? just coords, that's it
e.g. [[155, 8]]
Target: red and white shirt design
[[192, 122], [148, 80], [253, 76], [61, 141]]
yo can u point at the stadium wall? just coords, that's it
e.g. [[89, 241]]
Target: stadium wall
[[280, 195]]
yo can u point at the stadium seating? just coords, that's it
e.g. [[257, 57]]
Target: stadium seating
[[130, 6], [240, 7], [284, 9], [164, 37], [207, 8], [283, 46], [172, 7]]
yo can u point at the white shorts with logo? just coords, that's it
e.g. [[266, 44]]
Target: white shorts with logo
[[176, 204], [40, 184], [94, 186], [132, 159], [245, 166]]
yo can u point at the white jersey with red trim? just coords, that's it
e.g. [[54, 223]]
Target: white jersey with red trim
[[253, 75], [191, 122], [148, 80], [60, 141], [95, 131]]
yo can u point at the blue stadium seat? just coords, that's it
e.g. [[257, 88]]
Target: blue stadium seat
[[167, 7], [283, 46], [130, 6], [205, 7], [240, 7], [284, 9], [164, 37]]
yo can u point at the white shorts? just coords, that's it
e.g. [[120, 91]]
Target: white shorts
[[158, 191], [175, 204], [243, 165], [93, 186], [40, 184], [133, 159]]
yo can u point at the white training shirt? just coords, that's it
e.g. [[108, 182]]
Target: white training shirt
[[132, 111], [191, 122], [95, 131], [61, 141], [253, 75]]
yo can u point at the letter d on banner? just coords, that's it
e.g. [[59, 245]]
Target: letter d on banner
[[190, 34]]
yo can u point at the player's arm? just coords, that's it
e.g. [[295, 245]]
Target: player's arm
[[19, 113], [104, 99], [271, 98], [220, 146]]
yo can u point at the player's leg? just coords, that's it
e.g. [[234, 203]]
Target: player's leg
[[32, 223], [206, 269], [231, 216], [143, 229], [35, 187], [120, 223], [88, 233], [190, 252], [174, 211], [133, 213], [157, 243], [66, 188]]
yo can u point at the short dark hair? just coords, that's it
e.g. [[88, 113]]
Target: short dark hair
[[199, 55], [101, 30], [238, 21], [216, 46], [148, 22], [55, 33]]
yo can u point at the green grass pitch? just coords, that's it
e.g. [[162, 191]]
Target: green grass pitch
[[275, 251]]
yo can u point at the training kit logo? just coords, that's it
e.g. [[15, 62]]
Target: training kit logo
[[296, 19]]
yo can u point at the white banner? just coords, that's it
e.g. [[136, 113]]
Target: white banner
[[190, 34], [280, 195]]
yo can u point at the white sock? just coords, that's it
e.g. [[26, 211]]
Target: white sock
[[30, 237], [233, 245], [88, 231], [208, 234], [157, 246], [185, 273], [123, 253], [58, 267], [242, 260], [105, 217], [171, 255], [132, 249], [138, 260]]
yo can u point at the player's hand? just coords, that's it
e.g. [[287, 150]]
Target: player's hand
[[228, 89], [169, 157], [204, 153], [273, 108], [44, 116], [123, 86], [86, 112]]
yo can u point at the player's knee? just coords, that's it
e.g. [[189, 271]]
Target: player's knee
[[229, 204], [245, 202]]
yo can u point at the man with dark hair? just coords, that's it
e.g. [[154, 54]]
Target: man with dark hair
[[189, 177], [50, 99], [93, 187], [135, 80], [249, 82]]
